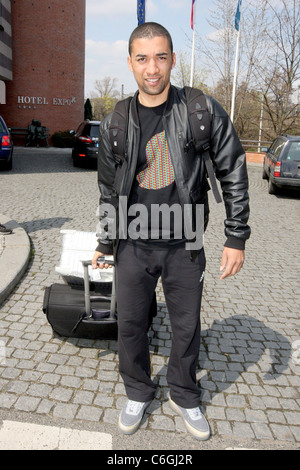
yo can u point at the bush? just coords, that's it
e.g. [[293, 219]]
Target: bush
[[62, 139]]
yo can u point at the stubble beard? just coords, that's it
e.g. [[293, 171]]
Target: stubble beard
[[149, 91]]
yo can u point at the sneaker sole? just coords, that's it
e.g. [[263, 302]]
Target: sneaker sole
[[201, 436], [129, 429]]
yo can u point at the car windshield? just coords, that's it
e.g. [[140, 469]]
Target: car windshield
[[293, 152], [94, 131]]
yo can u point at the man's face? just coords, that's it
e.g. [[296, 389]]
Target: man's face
[[151, 62]]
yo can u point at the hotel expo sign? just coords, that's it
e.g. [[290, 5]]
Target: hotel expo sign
[[32, 101]]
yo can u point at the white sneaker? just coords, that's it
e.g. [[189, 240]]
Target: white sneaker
[[131, 416], [194, 421]]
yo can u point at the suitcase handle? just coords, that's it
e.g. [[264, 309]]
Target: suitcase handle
[[87, 296], [102, 259]]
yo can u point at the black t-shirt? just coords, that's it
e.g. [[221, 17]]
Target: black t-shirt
[[157, 220]]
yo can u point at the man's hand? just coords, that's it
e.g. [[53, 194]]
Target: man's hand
[[95, 264], [232, 262]]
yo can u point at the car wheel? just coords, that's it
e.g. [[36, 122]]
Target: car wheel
[[264, 174], [8, 165], [272, 188], [76, 162]]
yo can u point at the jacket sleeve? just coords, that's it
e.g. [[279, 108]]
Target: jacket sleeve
[[230, 165], [107, 204]]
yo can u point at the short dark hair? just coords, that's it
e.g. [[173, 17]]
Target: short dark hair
[[150, 30]]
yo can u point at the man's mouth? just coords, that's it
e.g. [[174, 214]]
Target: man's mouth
[[153, 81]]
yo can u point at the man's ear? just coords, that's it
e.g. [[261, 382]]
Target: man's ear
[[129, 63], [173, 60]]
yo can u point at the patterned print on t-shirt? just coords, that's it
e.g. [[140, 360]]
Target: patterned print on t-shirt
[[159, 172]]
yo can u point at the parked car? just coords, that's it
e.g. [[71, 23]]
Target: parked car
[[86, 142], [281, 164], [6, 146]]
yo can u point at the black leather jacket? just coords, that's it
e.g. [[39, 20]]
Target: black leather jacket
[[190, 174]]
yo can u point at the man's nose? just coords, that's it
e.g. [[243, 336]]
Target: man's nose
[[152, 66]]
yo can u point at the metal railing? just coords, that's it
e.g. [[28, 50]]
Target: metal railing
[[256, 145]]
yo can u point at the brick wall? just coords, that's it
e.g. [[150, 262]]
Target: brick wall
[[5, 42], [48, 64]]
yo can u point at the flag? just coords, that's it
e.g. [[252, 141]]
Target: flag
[[141, 11], [238, 15], [192, 15]]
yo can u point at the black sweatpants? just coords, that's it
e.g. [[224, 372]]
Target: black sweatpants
[[137, 272]]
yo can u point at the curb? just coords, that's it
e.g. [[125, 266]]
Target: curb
[[14, 258]]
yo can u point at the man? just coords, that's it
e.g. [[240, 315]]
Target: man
[[157, 171]]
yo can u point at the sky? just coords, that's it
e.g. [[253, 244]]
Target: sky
[[109, 24]]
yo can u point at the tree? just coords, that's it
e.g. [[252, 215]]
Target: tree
[[269, 64], [253, 44], [281, 103], [103, 106], [107, 87], [182, 72], [105, 97], [88, 111], [218, 48]]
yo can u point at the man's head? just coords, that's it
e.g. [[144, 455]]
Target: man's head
[[151, 59], [149, 31]]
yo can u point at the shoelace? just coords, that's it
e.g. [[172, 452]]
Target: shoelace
[[194, 413], [134, 407]]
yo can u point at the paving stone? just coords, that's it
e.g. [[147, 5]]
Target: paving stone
[[69, 381], [293, 417], [262, 431], [45, 406], [236, 401], [255, 416], [249, 381], [111, 416], [275, 416], [7, 400], [243, 430], [89, 413], [27, 403], [234, 414], [65, 410], [163, 423], [282, 433], [61, 394], [83, 397], [39, 390], [224, 428]]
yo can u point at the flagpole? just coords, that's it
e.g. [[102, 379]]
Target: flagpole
[[193, 47], [193, 60], [237, 27], [235, 75]]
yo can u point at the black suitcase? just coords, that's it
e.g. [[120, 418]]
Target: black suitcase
[[74, 312]]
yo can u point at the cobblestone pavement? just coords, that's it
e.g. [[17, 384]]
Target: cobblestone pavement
[[249, 362]]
